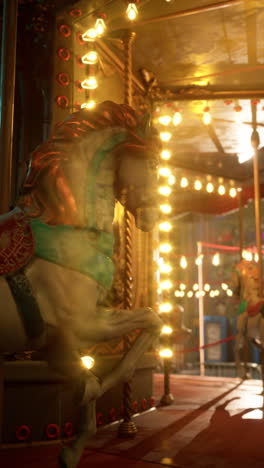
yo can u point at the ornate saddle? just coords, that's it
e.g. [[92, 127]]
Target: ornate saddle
[[16, 241]]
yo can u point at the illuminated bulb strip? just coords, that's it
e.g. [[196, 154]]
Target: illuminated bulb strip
[[90, 58], [165, 226], [164, 119], [100, 26], [166, 330], [164, 190], [89, 83], [165, 136], [87, 361], [90, 35], [132, 11], [165, 171], [166, 353], [88, 105], [165, 307], [165, 154], [165, 208]]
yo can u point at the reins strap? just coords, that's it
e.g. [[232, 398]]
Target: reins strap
[[26, 303]]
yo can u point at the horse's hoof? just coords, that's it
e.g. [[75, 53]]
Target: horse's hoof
[[67, 458]]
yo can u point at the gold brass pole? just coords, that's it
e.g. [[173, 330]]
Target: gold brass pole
[[128, 428], [7, 93], [240, 223], [255, 144]]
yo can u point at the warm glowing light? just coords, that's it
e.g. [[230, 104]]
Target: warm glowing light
[[165, 190], [197, 294], [166, 353], [165, 208], [238, 115], [216, 259], [233, 192], [195, 286], [165, 136], [90, 58], [132, 11], [183, 262], [165, 268], [171, 179], [100, 26], [87, 361], [198, 184], [165, 248], [166, 330], [199, 260], [216, 292], [256, 257], [184, 182], [165, 154], [167, 284], [229, 292], [190, 294], [247, 255], [221, 190], [177, 118], [88, 105], [165, 226], [207, 287], [164, 119], [207, 119], [209, 187], [90, 35], [182, 286], [165, 307], [244, 156], [164, 171], [224, 286], [89, 83]]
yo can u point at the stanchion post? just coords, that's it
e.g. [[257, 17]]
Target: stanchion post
[[167, 397], [201, 308]]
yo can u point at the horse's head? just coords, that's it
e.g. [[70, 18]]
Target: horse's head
[[137, 184]]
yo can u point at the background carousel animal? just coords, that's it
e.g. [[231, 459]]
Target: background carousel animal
[[250, 319], [56, 248]]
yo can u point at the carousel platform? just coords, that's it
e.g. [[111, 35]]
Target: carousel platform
[[214, 422]]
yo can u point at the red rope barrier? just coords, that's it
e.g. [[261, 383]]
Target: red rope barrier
[[196, 348]]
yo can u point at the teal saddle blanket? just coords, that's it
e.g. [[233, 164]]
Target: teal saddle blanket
[[84, 250]]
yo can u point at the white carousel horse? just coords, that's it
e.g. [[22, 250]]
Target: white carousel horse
[[250, 320], [56, 248]]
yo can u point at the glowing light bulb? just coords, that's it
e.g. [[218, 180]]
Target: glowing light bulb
[[89, 83], [216, 259], [199, 260], [164, 119], [165, 136], [233, 192], [224, 286], [165, 208], [90, 58], [165, 268], [165, 154], [221, 190], [184, 182], [198, 184], [211, 293], [164, 171], [195, 286], [209, 187], [132, 11], [256, 257], [171, 179], [177, 118], [89, 35], [166, 330], [229, 292], [207, 119], [207, 287], [167, 284], [88, 105], [165, 248], [165, 190], [87, 361], [190, 294], [166, 353], [182, 286], [165, 226], [100, 26], [183, 262], [165, 307]]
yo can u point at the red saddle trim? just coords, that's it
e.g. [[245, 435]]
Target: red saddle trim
[[254, 309], [16, 241]]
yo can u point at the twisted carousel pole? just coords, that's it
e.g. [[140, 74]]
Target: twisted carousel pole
[[127, 428]]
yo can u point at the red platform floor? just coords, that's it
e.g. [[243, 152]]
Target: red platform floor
[[214, 422]]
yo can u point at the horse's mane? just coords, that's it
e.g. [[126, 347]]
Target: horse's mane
[[45, 192]]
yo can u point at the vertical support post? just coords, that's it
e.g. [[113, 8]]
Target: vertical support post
[[127, 428], [255, 144], [201, 308], [240, 223], [7, 93]]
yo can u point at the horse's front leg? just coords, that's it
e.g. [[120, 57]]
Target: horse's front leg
[[69, 456]]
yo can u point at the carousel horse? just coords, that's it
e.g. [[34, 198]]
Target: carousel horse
[[56, 248], [250, 320]]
